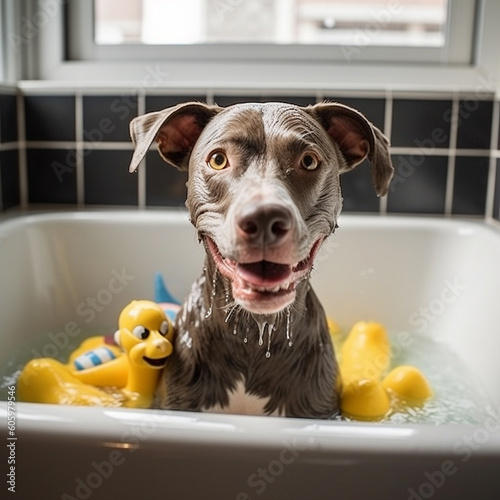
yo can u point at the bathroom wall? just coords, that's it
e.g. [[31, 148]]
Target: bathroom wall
[[74, 150], [9, 149]]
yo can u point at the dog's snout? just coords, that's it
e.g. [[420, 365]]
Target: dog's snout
[[266, 224]]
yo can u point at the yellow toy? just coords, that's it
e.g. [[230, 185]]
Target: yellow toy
[[408, 384], [128, 376], [365, 358]]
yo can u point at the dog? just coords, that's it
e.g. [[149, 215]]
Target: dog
[[263, 193]]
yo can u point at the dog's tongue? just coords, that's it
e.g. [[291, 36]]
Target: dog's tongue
[[264, 273]]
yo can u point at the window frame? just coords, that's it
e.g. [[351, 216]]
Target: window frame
[[47, 61], [458, 49]]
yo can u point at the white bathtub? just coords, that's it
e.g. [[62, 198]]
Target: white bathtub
[[66, 273]]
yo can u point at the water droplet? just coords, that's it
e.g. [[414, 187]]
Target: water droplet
[[270, 328], [262, 323], [289, 333], [213, 294], [187, 340]]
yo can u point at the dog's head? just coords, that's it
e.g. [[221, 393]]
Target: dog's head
[[263, 184]]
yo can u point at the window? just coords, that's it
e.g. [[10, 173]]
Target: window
[[379, 45], [419, 23], [307, 30]]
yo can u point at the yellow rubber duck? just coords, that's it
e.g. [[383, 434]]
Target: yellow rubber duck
[[365, 358], [128, 378]]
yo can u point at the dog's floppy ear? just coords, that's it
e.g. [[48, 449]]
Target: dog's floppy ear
[[175, 129], [357, 139]]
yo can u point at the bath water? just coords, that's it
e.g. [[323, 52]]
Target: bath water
[[459, 396]]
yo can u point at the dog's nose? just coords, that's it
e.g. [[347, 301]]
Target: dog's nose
[[265, 224]]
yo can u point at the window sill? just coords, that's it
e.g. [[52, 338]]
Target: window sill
[[268, 77]]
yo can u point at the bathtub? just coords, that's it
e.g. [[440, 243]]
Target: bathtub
[[64, 275]]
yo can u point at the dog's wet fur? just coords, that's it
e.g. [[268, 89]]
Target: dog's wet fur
[[263, 193]]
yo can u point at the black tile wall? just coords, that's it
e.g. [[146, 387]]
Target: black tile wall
[[224, 100], [165, 185], [9, 181], [8, 118], [358, 191], [49, 118], [421, 137], [10, 195], [107, 179], [51, 175], [474, 124], [107, 118], [159, 102], [419, 185], [373, 109], [470, 185], [421, 123]]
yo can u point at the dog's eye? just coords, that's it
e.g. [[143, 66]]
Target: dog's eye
[[309, 161], [140, 332], [218, 161]]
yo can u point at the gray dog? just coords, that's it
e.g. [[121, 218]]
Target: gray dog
[[263, 193]]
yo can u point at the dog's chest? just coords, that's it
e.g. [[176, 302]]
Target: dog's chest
[[241, 402]]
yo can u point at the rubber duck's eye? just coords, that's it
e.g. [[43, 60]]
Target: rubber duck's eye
[[218, 160], [164, 327], [309, 161], [140, 332]]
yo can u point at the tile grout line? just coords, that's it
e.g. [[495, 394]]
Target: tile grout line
[[23, 159], [141, 172], [209, 97], [127, 145], [123, 146], [23, 146], [79, 153], [492, 169], [383, 200], [452, 150]]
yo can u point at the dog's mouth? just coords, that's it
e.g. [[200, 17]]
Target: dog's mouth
[[263, 287]]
